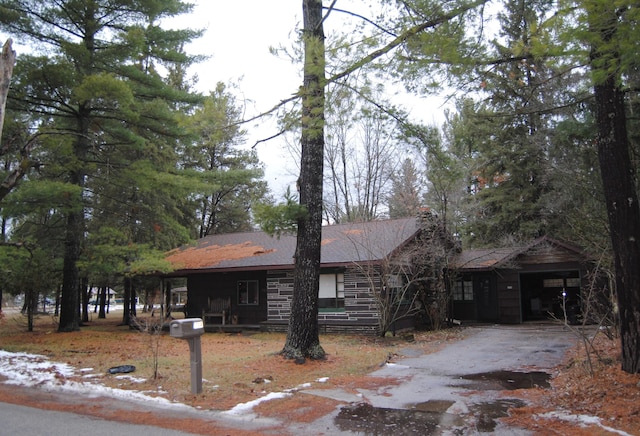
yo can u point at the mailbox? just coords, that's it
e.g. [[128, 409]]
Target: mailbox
[[186, 328], [191, 329]]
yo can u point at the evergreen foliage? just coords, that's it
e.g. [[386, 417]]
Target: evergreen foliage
[[104, 104], [228, 180]]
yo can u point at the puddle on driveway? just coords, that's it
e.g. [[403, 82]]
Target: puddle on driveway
[[366, 419], [486, 414], [428, 418], [432, 417], [434, 406], [507, 380]]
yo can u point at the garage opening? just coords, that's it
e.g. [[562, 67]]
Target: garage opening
[[549, 294]]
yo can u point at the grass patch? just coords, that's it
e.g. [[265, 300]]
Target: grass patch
[[236, 367]]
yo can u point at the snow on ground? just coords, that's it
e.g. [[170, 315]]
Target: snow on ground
[[244, 408], [33, 370], [583, 420]]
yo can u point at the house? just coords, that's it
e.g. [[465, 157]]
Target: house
[[247, 278], [539, 280]]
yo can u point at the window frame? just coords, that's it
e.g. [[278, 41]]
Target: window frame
[[334, 303], [251, 286], [463, 290]]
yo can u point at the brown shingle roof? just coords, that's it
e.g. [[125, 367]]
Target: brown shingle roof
[[490, 258], [341, 244], [485, 258]]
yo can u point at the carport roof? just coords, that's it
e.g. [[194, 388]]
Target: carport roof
[[485, 258], [492, 258], [341, 245]]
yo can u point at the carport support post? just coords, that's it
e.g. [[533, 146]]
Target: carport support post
[[195, 355]]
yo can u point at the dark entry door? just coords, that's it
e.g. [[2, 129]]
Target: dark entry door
[[486, 298]]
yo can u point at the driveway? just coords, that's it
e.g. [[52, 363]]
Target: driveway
[[458, 390]]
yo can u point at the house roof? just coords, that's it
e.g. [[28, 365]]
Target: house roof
[[492, 258], [341, 245], [483, 258]]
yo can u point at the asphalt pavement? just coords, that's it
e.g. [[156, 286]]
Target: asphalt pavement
[[17, 420]]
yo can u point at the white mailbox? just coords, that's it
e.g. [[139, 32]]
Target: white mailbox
[[186, 328]]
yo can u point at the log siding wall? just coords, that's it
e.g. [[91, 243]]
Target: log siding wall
[[360, 311]]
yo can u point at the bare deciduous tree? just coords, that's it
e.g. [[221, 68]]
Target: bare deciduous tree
[[361, 155], [412, 281]]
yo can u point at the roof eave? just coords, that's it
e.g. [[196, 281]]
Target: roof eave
[[212, 270]]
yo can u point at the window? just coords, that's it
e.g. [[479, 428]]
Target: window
[[553, 283], [463, 290], [248, 292], [331, 294], [396, 287], [571, 282]]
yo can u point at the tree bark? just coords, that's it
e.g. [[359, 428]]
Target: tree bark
[[74, 234], [70, 299], [624, 216], [7, 61], [126, 313], [85, 294], [102, 302], [302, 334], [620, 192], [167, 298]]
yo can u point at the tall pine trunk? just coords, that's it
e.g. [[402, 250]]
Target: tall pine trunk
[[126, 313], [618, 181], [103, 302], [74, 232], [70, 299], [302, 334]]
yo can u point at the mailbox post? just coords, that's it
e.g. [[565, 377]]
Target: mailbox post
[[191, 329]]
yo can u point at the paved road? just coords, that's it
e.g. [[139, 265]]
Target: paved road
[[21, 420]]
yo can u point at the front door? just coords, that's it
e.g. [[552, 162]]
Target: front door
[[486, 299]]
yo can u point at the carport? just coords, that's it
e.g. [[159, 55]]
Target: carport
[[549, 294], [521, 283]]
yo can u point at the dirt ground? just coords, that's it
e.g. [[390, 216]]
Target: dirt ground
[[238, 368]]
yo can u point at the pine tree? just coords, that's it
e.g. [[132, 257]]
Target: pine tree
[[303, 339], [515, 155], [405, 198], [99, 86], [612, 34], [228, 178]]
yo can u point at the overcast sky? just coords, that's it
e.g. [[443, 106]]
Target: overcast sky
[[238, 36]]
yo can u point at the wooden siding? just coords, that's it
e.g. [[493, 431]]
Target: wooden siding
[[508, 285], [360, 309], [548, 254], [201, 287]]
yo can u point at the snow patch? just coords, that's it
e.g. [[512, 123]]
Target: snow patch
[[36, 370], [582, 420], [131, 378], [396, 366], [243, 408]]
